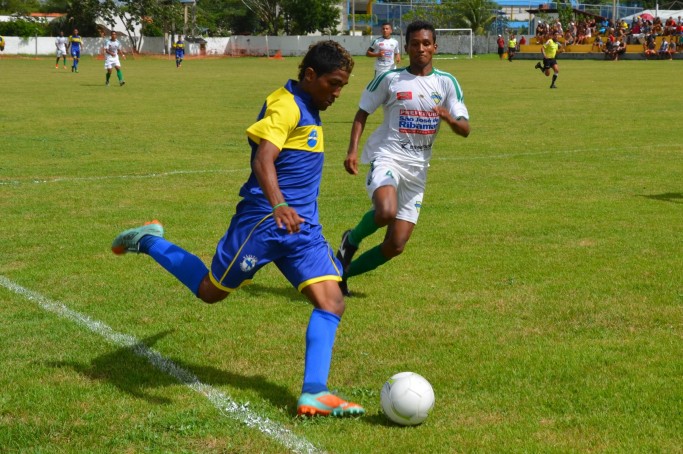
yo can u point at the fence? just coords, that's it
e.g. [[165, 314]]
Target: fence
[[233, 46]]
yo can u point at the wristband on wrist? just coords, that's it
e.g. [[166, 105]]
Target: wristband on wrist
[[283, 204]]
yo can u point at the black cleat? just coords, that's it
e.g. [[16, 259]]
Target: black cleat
[[346, 251], [538, 65], [344, 287]]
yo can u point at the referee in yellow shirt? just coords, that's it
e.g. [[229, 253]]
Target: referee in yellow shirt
[[549, 50]]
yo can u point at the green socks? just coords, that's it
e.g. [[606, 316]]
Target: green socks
[[364, 229], [119, 75], [368, 261]]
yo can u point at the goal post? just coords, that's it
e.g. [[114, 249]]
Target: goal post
[[453, 42]]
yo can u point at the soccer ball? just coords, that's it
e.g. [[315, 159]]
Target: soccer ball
[[407, 398]]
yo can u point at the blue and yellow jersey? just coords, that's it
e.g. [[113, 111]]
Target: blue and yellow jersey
[[179, 48], [76, 43], [2, 43], [291, 122]]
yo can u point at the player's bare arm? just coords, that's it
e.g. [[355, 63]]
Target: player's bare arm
[[460, 125], [263, 166], [351, 161]]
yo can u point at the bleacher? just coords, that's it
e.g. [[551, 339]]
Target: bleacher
[[532, 51]]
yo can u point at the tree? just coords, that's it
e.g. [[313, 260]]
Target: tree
[[295, 16], [268, 12], [226, 17], [19, 7], [306, 16], [133, 13], [81, 14], [475, 14]]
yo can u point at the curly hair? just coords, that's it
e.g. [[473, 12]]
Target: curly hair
[[325, 57]]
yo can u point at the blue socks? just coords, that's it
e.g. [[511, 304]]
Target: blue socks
[[322, 329], [186, 267]]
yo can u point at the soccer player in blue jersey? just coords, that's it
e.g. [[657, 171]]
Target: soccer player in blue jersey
[[75, 42], [179, 47], [277, 220], [416, 101]]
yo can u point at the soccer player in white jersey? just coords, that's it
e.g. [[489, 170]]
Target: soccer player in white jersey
[[416, 100], [60, 44], [112, 49], [386, 49]]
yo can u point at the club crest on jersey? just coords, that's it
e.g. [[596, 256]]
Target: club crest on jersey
[[437, 98], [404, 95], [248, 263], [312, 139]]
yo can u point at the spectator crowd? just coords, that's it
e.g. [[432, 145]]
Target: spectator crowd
[[612, 37]]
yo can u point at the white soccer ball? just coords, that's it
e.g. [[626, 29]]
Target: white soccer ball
[[407, 398]]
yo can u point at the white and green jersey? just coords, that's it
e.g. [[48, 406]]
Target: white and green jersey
[[113, 47], [61, 43], [410, 123], [388, 49]]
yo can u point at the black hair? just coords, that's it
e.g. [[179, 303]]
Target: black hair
[[325, 57], [418, 25]]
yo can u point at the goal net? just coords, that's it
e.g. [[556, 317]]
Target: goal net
[[453, 42]]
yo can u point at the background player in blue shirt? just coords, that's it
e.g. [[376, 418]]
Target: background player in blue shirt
[[277, 220], [76, 43], [179, 47]]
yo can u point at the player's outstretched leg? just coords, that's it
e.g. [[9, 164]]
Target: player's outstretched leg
[[325, 403]]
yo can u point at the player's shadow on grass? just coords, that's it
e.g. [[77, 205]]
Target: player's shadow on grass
[[286, 291], [673, 197], [138, 371]]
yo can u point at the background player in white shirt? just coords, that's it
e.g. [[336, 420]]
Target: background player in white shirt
[[60, 44], [416, 100], [386, 49], [112, 49]]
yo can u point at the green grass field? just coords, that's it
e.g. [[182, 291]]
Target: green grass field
[[541, 293]]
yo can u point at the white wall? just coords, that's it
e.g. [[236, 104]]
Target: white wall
[[42, 46], [234, 45]]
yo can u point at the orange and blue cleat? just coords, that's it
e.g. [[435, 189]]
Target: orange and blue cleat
[[325, 403]]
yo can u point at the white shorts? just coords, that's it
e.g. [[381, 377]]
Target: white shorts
[[111, 62], [409, 181], [61, 53]]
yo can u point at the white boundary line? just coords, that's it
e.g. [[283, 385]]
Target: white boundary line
[[118, 177], [434, 158], [223, 402]]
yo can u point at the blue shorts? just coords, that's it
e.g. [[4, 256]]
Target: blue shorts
[[76, 54], [253, 240]]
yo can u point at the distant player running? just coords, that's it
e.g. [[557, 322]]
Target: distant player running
[[2, 44], [549, 50], [61, 43], [75, 42], [179, 47], [112, 49], [386, 50]]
